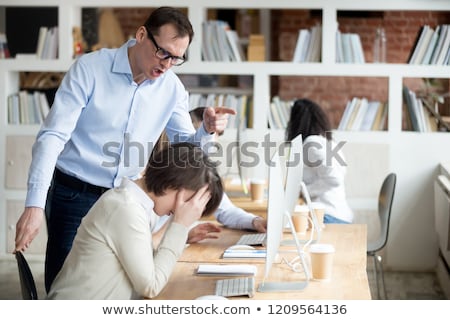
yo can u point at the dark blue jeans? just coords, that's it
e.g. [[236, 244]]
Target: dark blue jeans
[[64, 210]]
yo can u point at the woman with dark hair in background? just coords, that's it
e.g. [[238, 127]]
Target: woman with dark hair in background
[[323, 174]]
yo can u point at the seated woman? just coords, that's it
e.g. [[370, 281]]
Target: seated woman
[[112, 256], [323, 172]]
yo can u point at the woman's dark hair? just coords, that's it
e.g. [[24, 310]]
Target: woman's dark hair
[[183, 165], [307, 118], [168, 15]]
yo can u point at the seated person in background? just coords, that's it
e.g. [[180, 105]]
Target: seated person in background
[[324, 179], [227, 214], [112, 256]]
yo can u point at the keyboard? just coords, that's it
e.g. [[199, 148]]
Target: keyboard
[[252, 239], [234, 287]]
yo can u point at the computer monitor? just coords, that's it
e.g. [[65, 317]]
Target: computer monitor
[[276, 215], [295, 186], [294, 173]]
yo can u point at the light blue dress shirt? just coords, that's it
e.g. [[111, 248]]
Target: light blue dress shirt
[[103, 125]]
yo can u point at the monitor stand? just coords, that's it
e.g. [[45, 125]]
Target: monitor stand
[[289, 285], [315, 222]]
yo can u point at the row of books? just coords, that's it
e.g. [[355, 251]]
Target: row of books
[[360, 114], [309, 45], [418, 117], [432, 46], [279, 113], [27, 107], [220, 42], [240, 103], [349, 48], [47, 45]]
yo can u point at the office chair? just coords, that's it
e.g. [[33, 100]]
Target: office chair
[[27, 283], [385, 200]]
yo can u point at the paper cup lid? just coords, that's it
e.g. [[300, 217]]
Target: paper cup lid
[[257, 181], [317, 205], [301, 208], [321, 248]]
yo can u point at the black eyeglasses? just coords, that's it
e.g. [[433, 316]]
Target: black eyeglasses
[[164, 54]]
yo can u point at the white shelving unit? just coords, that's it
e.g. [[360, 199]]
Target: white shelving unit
[[371, 155]]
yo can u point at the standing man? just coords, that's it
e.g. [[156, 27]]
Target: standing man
[[108, 113]]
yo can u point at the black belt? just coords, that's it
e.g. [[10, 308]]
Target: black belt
[[77, 184]]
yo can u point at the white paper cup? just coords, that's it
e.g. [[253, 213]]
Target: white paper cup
[[257, 187], [300, 218], [319, 209], [321, 261]]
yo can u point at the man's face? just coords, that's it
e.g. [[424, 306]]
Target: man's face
[[166, 43]]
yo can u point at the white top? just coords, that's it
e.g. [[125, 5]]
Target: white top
[[112, 255], [325, 178]]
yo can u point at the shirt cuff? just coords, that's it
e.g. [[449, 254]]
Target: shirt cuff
[[36, 197]]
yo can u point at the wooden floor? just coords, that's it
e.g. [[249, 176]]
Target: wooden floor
[[399, 285]]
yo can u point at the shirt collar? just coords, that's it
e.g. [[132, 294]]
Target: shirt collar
[[121, 62]]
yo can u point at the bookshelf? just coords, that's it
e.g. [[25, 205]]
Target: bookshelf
[[414, 156]]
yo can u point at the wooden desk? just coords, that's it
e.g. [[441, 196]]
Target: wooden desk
[[349, 268]]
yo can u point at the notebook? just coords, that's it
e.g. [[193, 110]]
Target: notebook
[[226, 269]]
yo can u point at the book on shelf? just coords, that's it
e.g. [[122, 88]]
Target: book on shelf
[[360, 114], [370, 115], [279, 112], [432, 46], [440, 42], [422, 45], [346, 115], [235, 45], [379, 122], [309, 45], [13, 109], [27, 107], [301, 47], [339, 47], [410, 105], [314, 51], [220, 42], [419, 38], [4, 50], [421, 118], [357, 49], [274, 117], [47, 44], [349, 48], [41, 40], [441, 55]]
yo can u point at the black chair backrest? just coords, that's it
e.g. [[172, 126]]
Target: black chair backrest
[[27, 283], [385, 200]]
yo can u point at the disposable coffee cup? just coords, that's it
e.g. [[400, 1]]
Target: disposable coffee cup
[[300, 218], [319, 210], [321, 261], [257, 189]]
